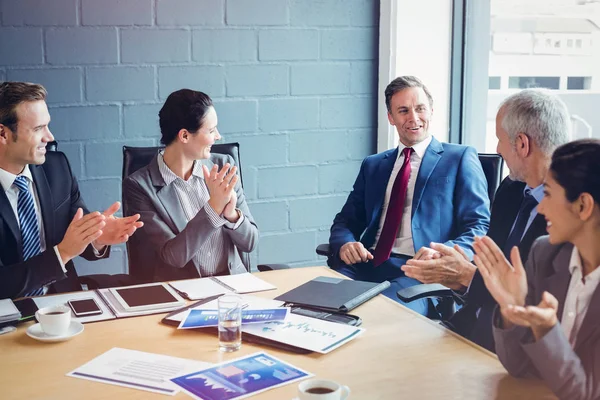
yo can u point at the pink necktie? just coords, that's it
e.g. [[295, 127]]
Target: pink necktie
[[393, 218]]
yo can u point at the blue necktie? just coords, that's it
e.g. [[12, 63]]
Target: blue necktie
[[527, 205], [29, 224]]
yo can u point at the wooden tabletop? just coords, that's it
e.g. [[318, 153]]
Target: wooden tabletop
[[402, 355]]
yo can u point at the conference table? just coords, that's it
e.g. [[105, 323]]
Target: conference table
[[401, 355]]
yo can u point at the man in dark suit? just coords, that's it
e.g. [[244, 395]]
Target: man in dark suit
[[44, 223], [529, 126], [404, 198]]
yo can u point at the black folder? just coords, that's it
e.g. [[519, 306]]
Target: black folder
[[333, 294]]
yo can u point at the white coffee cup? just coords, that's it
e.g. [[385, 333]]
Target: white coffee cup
[[320, 389], [54, 320]]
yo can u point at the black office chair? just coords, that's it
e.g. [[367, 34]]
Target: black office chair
[[492, 165], [96, 281], [135, 158]]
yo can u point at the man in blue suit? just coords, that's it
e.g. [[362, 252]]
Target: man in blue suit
[[403, 199]]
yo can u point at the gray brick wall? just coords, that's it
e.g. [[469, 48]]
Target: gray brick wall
[[294, 81]]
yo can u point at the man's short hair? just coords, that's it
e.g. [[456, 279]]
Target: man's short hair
[[183, 109], [14, 93], [404, 82], [539, 114]]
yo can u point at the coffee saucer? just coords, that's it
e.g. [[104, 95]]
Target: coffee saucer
[[36, 332]]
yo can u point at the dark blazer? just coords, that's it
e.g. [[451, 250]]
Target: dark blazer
[[474, 320], [571, 373], [165, 247], [450, 202], [59, 198]]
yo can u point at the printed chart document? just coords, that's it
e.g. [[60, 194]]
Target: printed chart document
[[137, 370], [239, 378], [206, 318], [202, 288], [305, 332]]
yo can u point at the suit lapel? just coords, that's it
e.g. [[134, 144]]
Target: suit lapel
[[167, 196], [384, 171], [506, 206], [7, 213], [535, 230], [590, 321], [558, 283], [45, 197], [430, 159]]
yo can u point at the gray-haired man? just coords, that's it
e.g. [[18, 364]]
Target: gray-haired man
[[529, 126]]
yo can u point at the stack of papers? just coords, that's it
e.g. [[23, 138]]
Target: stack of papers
[[295, 330], [8, 311]]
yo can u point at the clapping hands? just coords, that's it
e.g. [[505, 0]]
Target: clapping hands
[[508, 285]]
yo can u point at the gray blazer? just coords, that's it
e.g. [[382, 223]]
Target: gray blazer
[[570, 373], [164, 248]]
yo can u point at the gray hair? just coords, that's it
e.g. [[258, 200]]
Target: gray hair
[[539, 114]]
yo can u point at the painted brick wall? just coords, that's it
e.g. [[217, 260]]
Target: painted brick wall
[[294, 81]]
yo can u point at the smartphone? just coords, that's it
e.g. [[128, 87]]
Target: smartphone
[[27, 307], [84, 307]]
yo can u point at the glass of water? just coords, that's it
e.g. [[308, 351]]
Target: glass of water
[[230, 322]]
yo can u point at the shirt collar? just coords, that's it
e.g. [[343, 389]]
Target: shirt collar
[[170, 176], [7, 178], [419, 148], [575, 265], [537, 192]]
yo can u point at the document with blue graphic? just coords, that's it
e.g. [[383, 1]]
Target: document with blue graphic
[[239, 378], [305, 332], [206, 318]]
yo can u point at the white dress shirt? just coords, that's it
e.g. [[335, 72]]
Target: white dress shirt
[[7, 181], [211, 258], [404, 243], [579, 295]]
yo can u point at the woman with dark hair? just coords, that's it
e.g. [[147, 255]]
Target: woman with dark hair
[[197, 222], [547, 321]]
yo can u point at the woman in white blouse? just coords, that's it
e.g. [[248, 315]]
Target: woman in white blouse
[[547, 322]]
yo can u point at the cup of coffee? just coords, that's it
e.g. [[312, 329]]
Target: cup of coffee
[[320, 389], [55, 320]]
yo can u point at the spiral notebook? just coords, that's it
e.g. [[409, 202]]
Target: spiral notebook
[[202, 288]]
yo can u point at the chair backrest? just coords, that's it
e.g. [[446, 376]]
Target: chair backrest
[[492, 165], [135, 158], [52, 146]]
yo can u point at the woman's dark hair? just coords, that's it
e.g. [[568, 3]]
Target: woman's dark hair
[[184, 109], [576, 167]]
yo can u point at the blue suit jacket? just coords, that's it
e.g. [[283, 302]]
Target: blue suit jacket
[[450, 202]]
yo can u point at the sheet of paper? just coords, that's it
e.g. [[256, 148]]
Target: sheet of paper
[[200, 288], [137, 370], [308, 333], [251, 302], [240, 378], [61, 300], [207, 318], [245, 283]]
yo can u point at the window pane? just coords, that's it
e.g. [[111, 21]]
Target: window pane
[[528, 82], [494, 82], [553, 44], [579, 82]]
